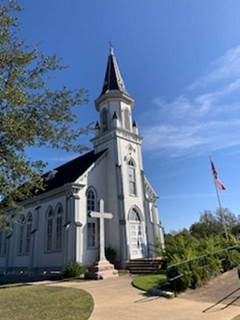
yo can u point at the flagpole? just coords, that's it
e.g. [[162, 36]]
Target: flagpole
[[220, 206]]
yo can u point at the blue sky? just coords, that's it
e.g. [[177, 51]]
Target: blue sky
[[181, 62]]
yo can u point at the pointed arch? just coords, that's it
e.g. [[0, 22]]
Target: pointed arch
[[132, 177], [135, 214], [91, 196]]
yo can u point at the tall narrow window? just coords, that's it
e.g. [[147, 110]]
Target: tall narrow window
[[104, 115], [91, 234], [50, 217], [4, 244], [1, 242], [91, 224], [28, 233], [132, 178], [59, 228], [127, 119], [21, 234], [20, 244], [91, 201]]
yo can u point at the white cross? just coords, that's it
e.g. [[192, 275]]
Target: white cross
[[101, 215]]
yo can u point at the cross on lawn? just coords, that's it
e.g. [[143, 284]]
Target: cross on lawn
[[101, 215]]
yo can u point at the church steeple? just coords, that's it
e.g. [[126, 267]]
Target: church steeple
[[114, 104], [113, 79]]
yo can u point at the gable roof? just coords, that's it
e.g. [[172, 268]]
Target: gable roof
[[70, 171]]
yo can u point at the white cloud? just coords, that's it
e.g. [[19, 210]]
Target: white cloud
[[225, 67], [201, 122]]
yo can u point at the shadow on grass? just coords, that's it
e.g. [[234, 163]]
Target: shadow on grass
[[12, 285]]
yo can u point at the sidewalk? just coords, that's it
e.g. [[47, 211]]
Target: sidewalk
[[116, 299]]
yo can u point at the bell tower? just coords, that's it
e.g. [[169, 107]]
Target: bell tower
[[114, 103], [117, 132]]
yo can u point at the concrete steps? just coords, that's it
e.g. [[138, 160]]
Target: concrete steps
[[144, 266]]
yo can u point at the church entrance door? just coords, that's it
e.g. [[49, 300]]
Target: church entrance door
[[136, 236]]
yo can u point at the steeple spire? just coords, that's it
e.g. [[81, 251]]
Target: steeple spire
[[113, 79]]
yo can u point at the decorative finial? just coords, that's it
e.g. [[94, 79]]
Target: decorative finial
[[111, 48]]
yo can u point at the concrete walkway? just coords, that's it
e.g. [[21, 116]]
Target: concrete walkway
[[116, 299]]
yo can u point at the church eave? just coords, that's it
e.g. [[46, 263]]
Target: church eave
[[66, 188], [149, 188]]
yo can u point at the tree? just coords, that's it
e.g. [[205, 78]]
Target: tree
[[31, 113], [211, 223]]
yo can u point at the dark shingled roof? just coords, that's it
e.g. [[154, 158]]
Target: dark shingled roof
[[113, 79], [70, 171]]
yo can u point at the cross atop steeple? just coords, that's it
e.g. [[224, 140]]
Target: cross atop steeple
[[113, 79]]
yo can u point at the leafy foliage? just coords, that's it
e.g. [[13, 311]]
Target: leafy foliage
[[111, 255], [197, 260], [31, 113], [73, 269]]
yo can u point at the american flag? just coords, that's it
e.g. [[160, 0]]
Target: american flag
[[218, 182]]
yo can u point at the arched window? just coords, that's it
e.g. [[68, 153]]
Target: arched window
[[127, 119], [104, 115], [91, 224], [50, 221], [28, 233], [132, 177], [91, 200], [134, 215], [59, 227]]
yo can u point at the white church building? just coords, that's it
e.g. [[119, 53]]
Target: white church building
[[56, 227]]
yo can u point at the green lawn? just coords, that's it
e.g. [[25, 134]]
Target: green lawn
[[26, 302], [146, 282]]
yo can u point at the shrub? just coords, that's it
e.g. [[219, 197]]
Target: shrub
[[73, 269], [111, 255], [234, 257]]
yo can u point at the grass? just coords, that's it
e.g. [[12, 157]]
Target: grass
[[26, 302], [149, 281]]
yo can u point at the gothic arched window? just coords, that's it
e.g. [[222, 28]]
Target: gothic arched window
[[59, 227], [134, 215], [104, 115], [28, 233], [91, 224], [127, 119], [91, 200], [132, 177], [50, 222]]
